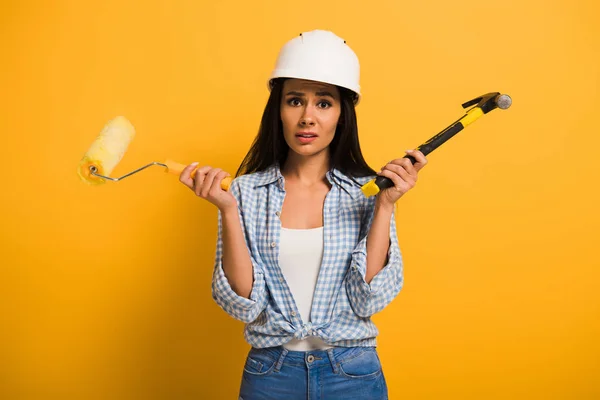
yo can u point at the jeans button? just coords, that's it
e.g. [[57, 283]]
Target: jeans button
[[311, 358]]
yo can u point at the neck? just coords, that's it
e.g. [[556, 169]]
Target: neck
[[306, 170]]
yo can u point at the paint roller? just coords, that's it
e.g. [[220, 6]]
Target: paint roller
[[108, 149], [482, 105]]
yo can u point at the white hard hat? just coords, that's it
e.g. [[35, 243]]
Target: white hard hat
[[319, 56]]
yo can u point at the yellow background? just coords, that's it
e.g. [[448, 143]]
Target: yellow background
[[105, 291]]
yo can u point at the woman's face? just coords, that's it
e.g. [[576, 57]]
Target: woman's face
[[310, 112]]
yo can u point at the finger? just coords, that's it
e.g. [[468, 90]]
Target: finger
[[199, 178], [403, 163], [401, 171], [208, 181], [185, 176], [408, 166], [399, 183], [419, 156], [216, 185]]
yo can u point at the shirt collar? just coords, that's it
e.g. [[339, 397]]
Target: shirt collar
[[269, 175], [335, 177]]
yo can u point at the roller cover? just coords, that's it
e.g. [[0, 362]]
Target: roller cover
[[107, 150]]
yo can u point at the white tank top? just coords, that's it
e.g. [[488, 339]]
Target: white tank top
[[300, 256]]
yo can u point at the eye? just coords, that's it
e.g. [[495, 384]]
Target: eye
[[324, 104], [294, 102]]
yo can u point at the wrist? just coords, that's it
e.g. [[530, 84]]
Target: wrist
[[230, 210], [383, 206]]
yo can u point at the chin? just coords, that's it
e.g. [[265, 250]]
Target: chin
[[306, 152]]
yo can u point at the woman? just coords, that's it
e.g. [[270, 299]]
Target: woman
[[303, 257]]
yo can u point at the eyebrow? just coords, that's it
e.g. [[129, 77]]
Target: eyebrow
[[322, 93]]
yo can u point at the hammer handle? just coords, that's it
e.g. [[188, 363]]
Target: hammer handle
[[426, 148]]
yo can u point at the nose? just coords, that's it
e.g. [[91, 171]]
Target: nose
[[307, 118]]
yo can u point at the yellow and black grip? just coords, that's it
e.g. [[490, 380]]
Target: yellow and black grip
[[485, 104]]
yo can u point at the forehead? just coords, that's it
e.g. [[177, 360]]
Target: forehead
[[302, 85]]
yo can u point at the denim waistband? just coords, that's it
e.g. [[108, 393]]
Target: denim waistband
[[313, 358]]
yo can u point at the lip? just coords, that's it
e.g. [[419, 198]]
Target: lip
[[304, 140]]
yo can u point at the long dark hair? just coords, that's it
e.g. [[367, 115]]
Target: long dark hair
[[269, 146]]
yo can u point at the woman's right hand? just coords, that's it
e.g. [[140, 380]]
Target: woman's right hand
[[207, 184]]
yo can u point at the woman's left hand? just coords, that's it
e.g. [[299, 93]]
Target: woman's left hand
[[404, 175]]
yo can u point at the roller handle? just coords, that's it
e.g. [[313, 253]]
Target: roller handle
[[175, 168]]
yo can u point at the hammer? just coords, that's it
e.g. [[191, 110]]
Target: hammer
[[485, 104]]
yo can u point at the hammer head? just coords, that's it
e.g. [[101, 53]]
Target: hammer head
[[503, 101], [489, 101]]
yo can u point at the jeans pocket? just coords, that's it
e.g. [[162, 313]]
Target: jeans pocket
[[259, 363], [365, 365]]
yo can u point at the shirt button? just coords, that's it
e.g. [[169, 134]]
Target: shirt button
[[273, 244], [281, 280], [278, 214], [293, 313]]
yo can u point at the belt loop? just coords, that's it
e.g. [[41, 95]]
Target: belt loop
[[332, 360], [281, 358]]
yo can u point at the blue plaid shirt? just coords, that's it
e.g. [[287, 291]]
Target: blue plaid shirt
[[343, 301]]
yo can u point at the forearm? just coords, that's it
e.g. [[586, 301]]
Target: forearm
[[237, 264], [378, 240]]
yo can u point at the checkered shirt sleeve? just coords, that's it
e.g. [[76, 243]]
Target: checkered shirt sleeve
[[367, 299], [241, 308]]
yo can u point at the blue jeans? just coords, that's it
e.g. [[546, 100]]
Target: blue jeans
[[348, 373]]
